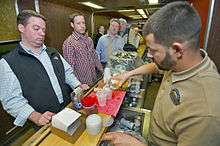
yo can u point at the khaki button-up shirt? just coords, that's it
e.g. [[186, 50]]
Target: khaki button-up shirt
[[191, 115]]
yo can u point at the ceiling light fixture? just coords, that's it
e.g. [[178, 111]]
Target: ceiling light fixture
[[131, 10], [153, 1], [141, 11], [135, 16], [91, 5], [144, 16]]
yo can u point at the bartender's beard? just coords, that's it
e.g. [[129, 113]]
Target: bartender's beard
[[167, 63]]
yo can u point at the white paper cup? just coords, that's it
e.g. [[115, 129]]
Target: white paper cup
[[93, 124]]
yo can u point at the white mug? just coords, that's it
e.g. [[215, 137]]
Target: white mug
[[93, 124]]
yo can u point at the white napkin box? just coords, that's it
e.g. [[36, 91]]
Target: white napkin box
[[67, 120]]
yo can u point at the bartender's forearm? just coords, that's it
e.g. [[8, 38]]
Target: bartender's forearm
[[144, 69]]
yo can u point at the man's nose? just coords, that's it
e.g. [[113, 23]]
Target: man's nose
[[42, 32]]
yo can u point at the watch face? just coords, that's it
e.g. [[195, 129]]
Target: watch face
[[175, 96]]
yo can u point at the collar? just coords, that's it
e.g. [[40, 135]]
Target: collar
[[109, 36], [77, 35], [29, 50], [179, 76]]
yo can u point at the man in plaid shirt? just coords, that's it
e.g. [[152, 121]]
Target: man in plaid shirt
[[79, 51]]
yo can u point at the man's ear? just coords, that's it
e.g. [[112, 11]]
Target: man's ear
[[72, 25], [178, 49], [21, 27]]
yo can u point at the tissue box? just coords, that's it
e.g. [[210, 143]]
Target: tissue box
[[78, 125]]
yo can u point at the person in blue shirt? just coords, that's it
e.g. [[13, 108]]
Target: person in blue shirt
[[110, 43], [35, 81], [124, 29]]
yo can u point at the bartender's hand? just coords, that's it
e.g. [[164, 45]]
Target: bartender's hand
[[121, 77], [122, 139], [41, 119], [84, 86]]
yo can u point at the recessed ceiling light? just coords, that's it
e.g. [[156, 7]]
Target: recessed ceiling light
[[92, 5], [153, 1]]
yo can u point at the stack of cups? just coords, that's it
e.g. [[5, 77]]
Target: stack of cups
[[93, 124], [101, 95], [108, 92], [107, 75]]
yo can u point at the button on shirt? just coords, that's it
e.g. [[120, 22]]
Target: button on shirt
[[11, 92], [195, 120], [116, 43]]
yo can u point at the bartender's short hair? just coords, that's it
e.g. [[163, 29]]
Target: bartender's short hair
[[175, 22], [24, 16], [73, 15]]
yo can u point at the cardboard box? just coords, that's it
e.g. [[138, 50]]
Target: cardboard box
[[71, 138]]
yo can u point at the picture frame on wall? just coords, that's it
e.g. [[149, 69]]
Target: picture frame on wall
[[21, 5]]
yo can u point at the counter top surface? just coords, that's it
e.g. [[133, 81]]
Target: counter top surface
[[84, 140], [45, 137]]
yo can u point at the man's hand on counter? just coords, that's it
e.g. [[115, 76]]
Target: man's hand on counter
[[41, 119], [122, 139], [84, 86]]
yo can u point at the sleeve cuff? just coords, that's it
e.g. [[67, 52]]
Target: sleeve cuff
[[75, 84], [23, 115]]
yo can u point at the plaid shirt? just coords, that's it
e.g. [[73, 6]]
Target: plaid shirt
[[79, 51]]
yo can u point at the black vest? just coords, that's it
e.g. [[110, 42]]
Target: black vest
[[34, 80]]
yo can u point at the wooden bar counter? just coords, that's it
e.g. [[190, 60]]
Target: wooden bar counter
[[44, 137]]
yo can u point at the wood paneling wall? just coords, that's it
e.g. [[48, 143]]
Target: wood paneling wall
[[101, 20], [58, 26], [214, 36], [8, 29]]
